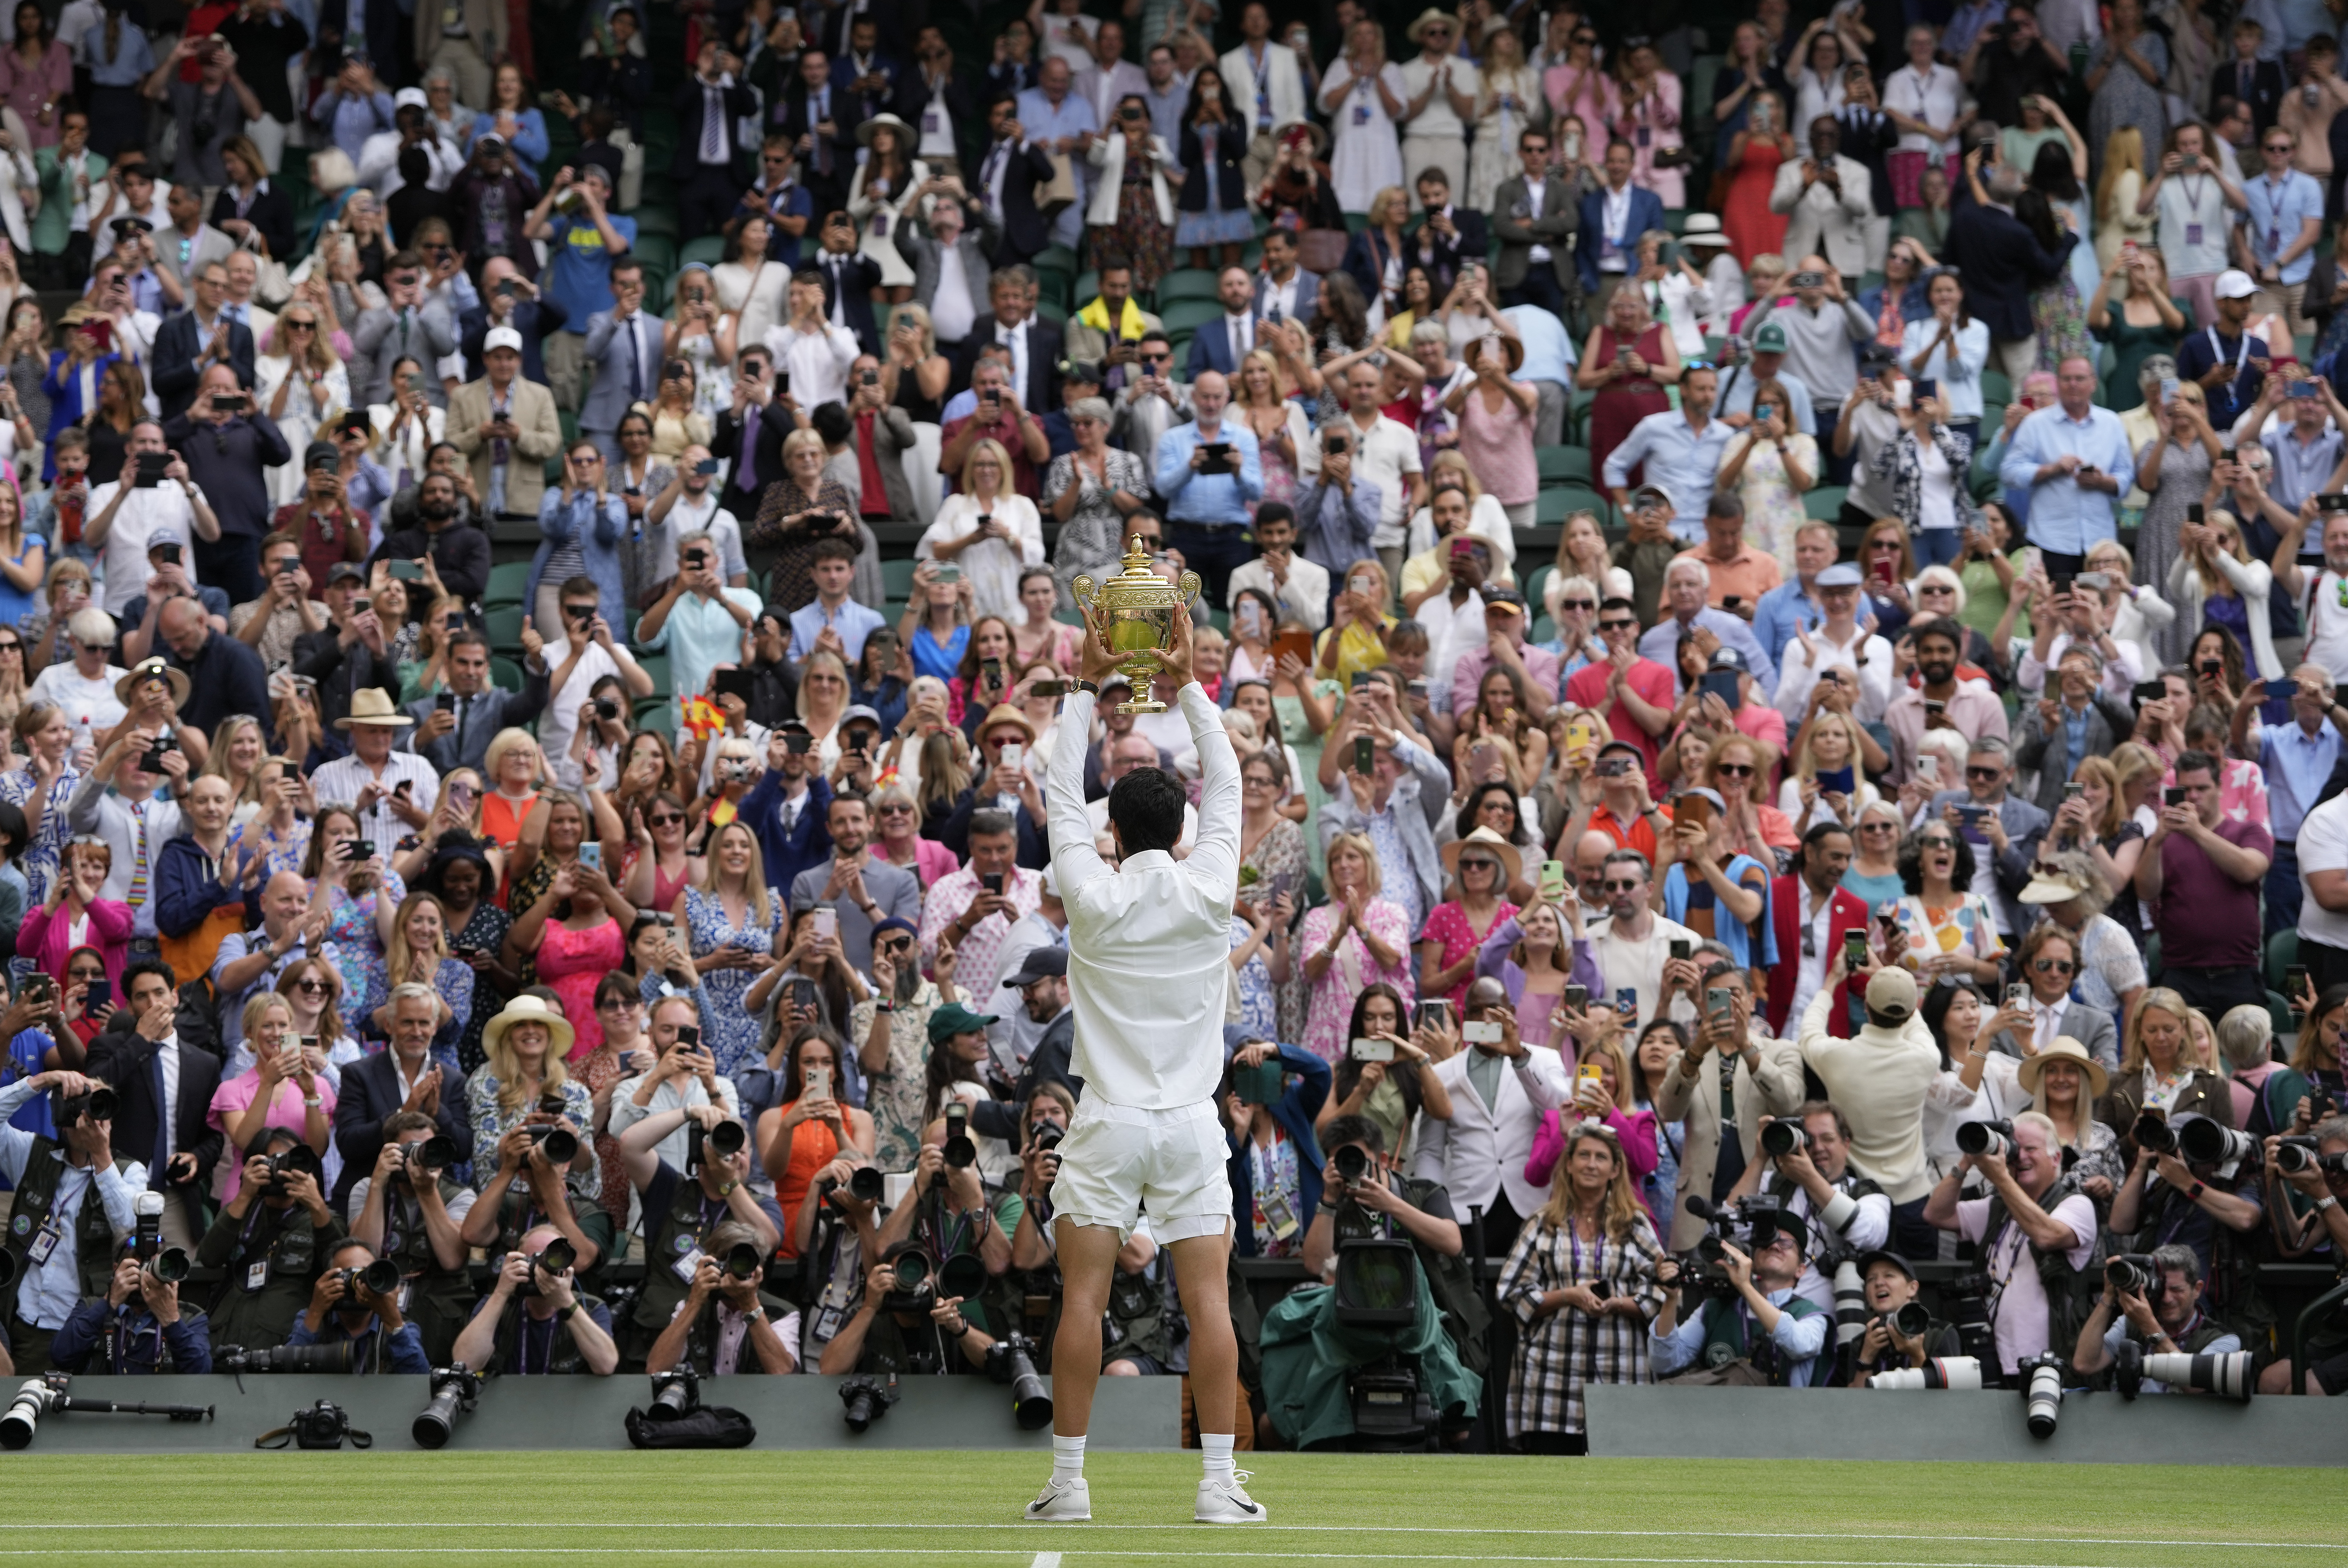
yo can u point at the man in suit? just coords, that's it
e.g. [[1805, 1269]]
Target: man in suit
[[1534, 215], [2255, 82], [1282, 288], [1764, 1073], [2048, 962], [936, 99], [521, 308], [821, 120], [1812, 913], [709, 168], [1445, 237], [163, 1082], [865, 71], [849, 276], [623, 345], [1995, 823], [1008, 174], [507, 427], [454, 727], [188, 228], [1220, 345], [1999, 262], [196, 337], [958, 237], [2073, 720], [1826, 197], [409, 1076], [760, 463], [411, 325], [1263, 79], [1480, 1154], [1036, 344], [1614, 216]]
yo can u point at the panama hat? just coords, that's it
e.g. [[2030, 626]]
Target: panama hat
[[370, 704], [152, 669], [1511, 860], [529, 1010], [2064, 1050], [1002, 713], [1428, 19], [864, 132]]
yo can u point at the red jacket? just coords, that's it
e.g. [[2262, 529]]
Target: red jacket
[[1848, 912]]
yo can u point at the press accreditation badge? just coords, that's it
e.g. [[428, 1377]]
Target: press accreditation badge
[[256, 1276], [1277, 1213], [45, 1243], [686, 1264], [2192, 233]]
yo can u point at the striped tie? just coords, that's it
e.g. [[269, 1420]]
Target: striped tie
[[138, 855]]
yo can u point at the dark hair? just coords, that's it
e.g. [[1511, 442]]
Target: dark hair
[[1146, 805], [401, 260], [1911, 861], [831, 422], [1938, 627], [2051, 171], [2195, 762], [813, 277], [1641, 1089], [2036, 214], [1275, 510], [1339, 307], [832, 548], [1465, 823], [14, 833], [1938, 998], [1361, 1129], [1819, 832], [147, 966], [1224, 111], [1723, 504]]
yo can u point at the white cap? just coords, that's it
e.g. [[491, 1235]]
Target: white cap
[[501, 337], [2234, 283], [406, 96]]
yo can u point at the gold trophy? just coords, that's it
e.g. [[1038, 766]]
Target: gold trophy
[[1135, 611]]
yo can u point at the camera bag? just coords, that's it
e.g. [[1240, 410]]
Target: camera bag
[[709, 1426]]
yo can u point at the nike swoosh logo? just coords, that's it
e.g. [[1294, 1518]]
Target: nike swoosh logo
[[1250, 1507]]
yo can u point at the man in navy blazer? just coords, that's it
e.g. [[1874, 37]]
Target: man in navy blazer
[[1018, 166], [787, 808], [128, 1059], [1444, 237], [372, 1093], [848, 279], [1283, 283], [2000, 260], [707, 172], [1220, 345], [191, 339], [1633, 212]]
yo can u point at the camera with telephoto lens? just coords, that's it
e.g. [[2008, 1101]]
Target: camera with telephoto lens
[[742, 1260], [1011, 1359], [2201, 1141], [2134, 1273], [960, 1152], [2296, 1156], [678, 1391], [1911, 1320], [554, 1257], [379, 1278], [1780, 1138], [724, 1141], [427, 1158], [46, 1395], [1760, 1216], [560, 1144], [170, 1263], [865, 1184], [916, 1282], [1046, 1135], [868, 1398], [1965, 1301], [1992, 1137], [98, 1102], [296, 1159], [1353, 1164], [237, 1359], [2152, 1132], [456, 1389], [2041, 1377], [1963, 1372]]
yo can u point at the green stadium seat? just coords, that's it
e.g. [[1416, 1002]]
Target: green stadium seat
[[650, 220], [503, 624], [708, 250], [653, 713], [1995, 389], [1534, 582], [505, 675], [656, 666], [2283, 951], [1561, 464], [1086, 288], [1543, 630], [1189, 315], [1357, 221], [1185, 282], [1824, 502], [1051, 310], [506, 584], [896, 578], [1552, 507]]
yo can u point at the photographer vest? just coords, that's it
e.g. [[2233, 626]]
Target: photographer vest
[[270, 1260], [1725, 1340], [134, 1344], [562, 1356], [2071, 1293], [888, 1347], [2232, 1285], [701, 1338], [518, 1216], [92, 1237], [437, 1300], [1450, 1279], [1134, 1323], [671, 1240]]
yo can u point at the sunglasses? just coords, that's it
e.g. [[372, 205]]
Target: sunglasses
[[1617, 625], [902, 945], [1937, 842], [1576, 605], [1935, 588], [1621, 886], [309, 986], [1733, 769], [2054, 965], [668, 820], [1479, 865], [1984, 772], [1878, 826], [611, 1004], [889, 811], [2283, 146]]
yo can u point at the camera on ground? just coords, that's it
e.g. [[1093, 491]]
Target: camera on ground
[[1962, 1372], [1011, 1359], [2042, 1392], [866, 1398], [456, 1389]]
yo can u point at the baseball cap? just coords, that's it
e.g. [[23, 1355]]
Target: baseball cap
[[953, 1019], [407, 96], [1042, 964], [2234, 283], [320, 455], [1653, 495], [859, 711], [1891, 995], [343, 568], [162, 536], [502, 337], [1499, 596], [1728, 659], [1868, 1259], [1769, 337]]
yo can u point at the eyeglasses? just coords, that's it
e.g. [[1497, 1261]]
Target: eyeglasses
[[1923, 588], [1479, 865], [2054, 965], [1878, 826], [2283, 146], [1733, 769], [884, 811], [667, 819], [1937, 842], [318, 986], [1990, 773], [612, 1005], [298, 325], [1577, 605]]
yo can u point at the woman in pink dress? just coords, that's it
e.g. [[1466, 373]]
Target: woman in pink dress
[[1581, 87], [1495, 418], [1456, 927], [1355, 940], [656, 867], [286, 1086], [1754, 154], [35, 74], [576, 933], [1650, 121]]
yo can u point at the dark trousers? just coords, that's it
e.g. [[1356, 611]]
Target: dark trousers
[[706, 201], [2215, 990], [1539, 288], [1501, 1223], [29, 1347], [230, 564], [1912, 1236], [1214, 551], [2282, 890], [2059, 565], [2326, 965]]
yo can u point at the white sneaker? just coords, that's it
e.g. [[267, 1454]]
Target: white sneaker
[[1227, 1502], [1065, 1502]]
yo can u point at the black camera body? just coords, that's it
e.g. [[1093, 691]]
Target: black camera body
[[866, 1398], [960, 1152], [379, 1278], [2135, 1274], [2152, 1132], [1011, 1359], [1761, 1215], [299, 1159], [324, 1425], [725, 1140], [678, 1391], [916, 1283], [456, 1389], [427, 1158]]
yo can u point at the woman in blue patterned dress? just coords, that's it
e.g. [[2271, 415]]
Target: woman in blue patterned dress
[[360, 899], [278, 828], [40, 789], [733, 923]]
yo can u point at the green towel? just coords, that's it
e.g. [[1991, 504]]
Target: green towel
[[1306, 1354]]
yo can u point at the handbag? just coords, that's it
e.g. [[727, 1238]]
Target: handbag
[[1060, 189]]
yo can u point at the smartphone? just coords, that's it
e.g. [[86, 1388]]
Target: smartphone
[[992, 882], [357, 849], [1725, 686], [1577, 998], [2074, 790], [2174, 795], [1359, 582], [1552, 881], [590, 855], [1359, 679], [1579, 733], [169, 552], [444, 702], [2148, 691], [1480, 1034], [1680, 948], [734, 683], [1372, 1050], [2194, 511], [1928, 767], [949, 572], [2294, 981], [1589, 1072], [1925, 387], [407, 571], [688, 1037], [1430, 1014], [1854, 949], [1013, 754], [826, 923], [1626, 1002], [798, 744], [101, 992], [802, 994], [1366, 754], [1693, 808], [706, 466], [818, 1081]]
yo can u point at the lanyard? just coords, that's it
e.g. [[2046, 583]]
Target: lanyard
[[2217, 350]]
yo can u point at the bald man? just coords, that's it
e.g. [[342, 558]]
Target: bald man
[[252, 962]]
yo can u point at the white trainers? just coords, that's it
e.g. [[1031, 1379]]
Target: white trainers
[[1222, 1502], [1068, 1503]]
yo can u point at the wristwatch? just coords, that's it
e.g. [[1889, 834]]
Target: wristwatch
[[2326, 1201], [563, 1314], [2195, 1191], [1076, 685]]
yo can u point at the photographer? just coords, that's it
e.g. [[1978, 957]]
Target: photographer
[[1846, 1212], [135, 1329], [949, 1214], [2215, 1209], [268, 1243], [535, 1320], [908, 1332], [68, 1254], [726, 1324], [683, 1208], [2041, 1299], [684, 1075], [2165, 1318], [833, 1274], [2309, 1215], [1697, 1087], [1889, 1282], [527, 1190], [412, 1212], [1137, 1333], [344, 1310], [1761, 1332]]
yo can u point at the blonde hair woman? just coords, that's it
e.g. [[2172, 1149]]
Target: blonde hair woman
[[1259, 395], [526, 1044], [912, 351], [1355, 940], [2214, 563], [302, 385], [988, 529], [287, 1086], [238, 749], [735, 927], [823, 697], [418, 953], [1363, 95], [2163, 1069], [1829, 744], [458, 811], [1488, 519], [1358, 623], [68, 588], [2116, 190]]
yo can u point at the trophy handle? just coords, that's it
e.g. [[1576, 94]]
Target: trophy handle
[[1083, 590], [1188, 588]]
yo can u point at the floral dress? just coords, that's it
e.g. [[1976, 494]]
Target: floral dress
[[1275, 1170], [1964, 929], [2058, 309], [572, 964], [1279, 856], [279, 851], [2184, 476], [355, 951], [491, 1123], [1774, 508], [1093, 538], [487, 931], [1460, 941], [1258, 999], [594, 1072], [727, 1028], [1331, 1008], [39, 861]]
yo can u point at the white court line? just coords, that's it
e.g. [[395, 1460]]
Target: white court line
[[1046, 1560], [1021, 1551]]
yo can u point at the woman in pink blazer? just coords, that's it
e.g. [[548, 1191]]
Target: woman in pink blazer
[[74, 917]]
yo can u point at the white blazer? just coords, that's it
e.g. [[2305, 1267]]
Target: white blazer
[[334, 390], [992, 565], [1481, 1152], [1283, 80], [1109, 157]]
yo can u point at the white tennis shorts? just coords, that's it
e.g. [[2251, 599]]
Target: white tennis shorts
[[1116, 1159]]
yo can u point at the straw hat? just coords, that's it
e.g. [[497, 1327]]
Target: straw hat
[[152, 669], [371, 704], [1002, 713], [1511, 860], [904, 132], [2064, 1050], [529, 1010], [1428, 19]]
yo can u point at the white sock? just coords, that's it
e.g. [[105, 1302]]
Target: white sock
[[1218, 1451], [1067, 1459]]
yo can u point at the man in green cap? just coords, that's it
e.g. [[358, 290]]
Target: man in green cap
[[1766, 361]]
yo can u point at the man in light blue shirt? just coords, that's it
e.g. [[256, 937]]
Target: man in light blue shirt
[[2279, 226], [833, 572], [1795, 603], [1685, 613], [1060, 120], [52, 1286], [1765, 1325], [2305, 450], [1681, 448], [2073, 459], [1207, 499], [2297, 759], [1549, 363], [700, 620], [1768, 363], [353, 107]]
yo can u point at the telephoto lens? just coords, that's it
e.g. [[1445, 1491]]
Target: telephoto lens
[[741, 1260], [434, 1153], [866, 1184], [380, 1277], [2041, 1393], [1010, 1359], [1961, 1372], [562, 1144], [1780, 1138], [172, 1264], [1912, 1320], [2228, 1376], [2132, 1273], [33, 1401], [2152, 1132], [1352, 1164], [286, 1359], [677, 1392], [554, 1257], [1992, 1137], [866, 1398], [455, 1391], [2202, 1141], [727, 1138], [2294, 1156], [1849, 1294]]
